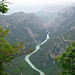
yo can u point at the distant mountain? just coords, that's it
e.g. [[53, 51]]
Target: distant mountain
[[49, 12], [23, 27], [62, 23]]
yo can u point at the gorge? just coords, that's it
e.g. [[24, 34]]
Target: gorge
[[31, 29]]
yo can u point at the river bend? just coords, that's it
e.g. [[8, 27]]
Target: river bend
[[29, 62]]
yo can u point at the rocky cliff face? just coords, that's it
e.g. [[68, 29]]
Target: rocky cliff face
[[62, 23], [23, 27]]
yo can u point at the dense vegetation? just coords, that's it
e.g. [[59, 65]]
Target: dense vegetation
[[7, 51], [66, 61]]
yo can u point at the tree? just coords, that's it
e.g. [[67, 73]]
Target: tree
[[7, 51], [20, 70], [3, 7], [66, 61]]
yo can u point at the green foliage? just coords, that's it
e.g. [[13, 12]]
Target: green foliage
[[7, 51], [20, 69], [3, 7], [66, 61]]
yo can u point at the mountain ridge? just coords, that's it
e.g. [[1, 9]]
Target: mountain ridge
[[29, 23]]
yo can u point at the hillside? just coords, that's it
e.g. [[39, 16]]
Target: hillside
[[23, 27], [45, 56], [70, 35], [62, 23], [62, 32]]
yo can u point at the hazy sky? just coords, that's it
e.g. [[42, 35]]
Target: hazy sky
[[38, 2], [33, 5]]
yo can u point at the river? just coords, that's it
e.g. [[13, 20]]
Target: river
[[29, 62]]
